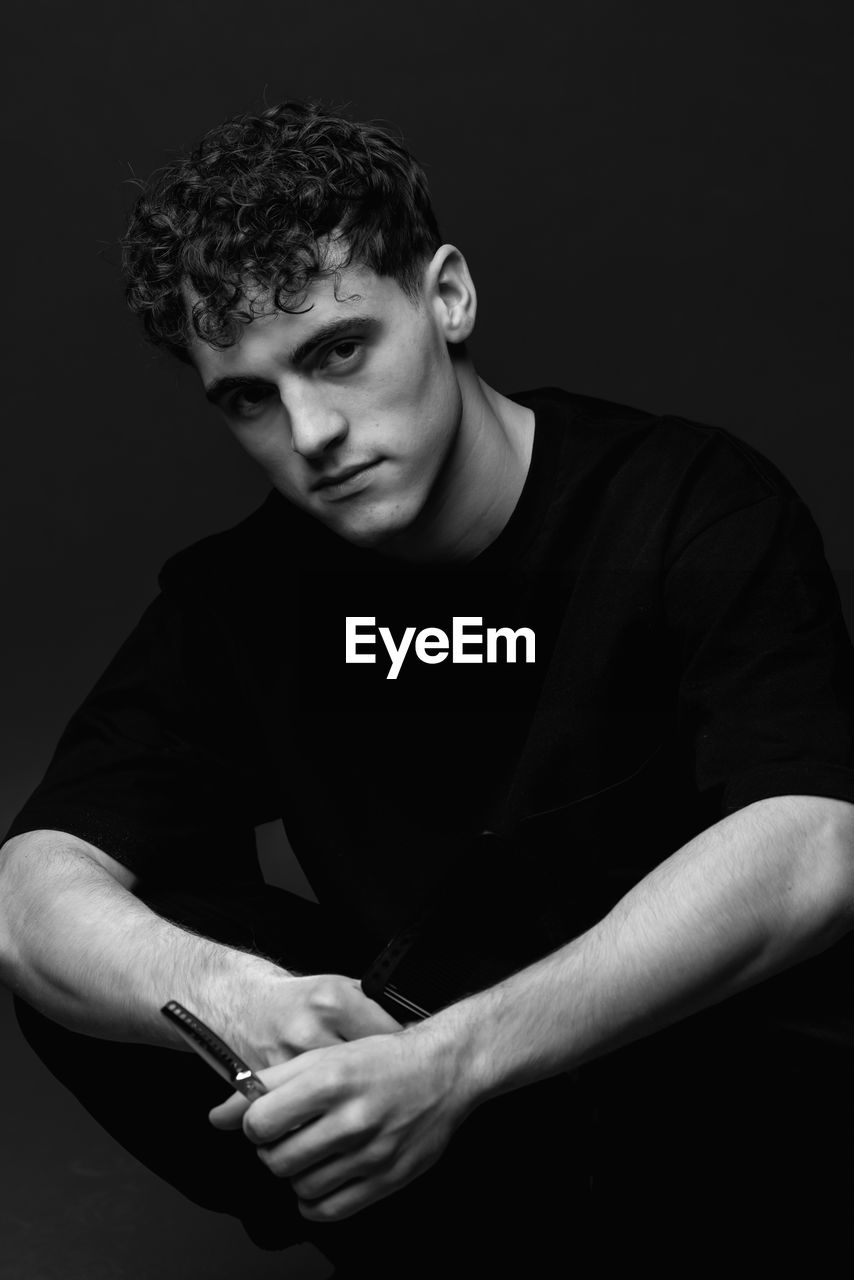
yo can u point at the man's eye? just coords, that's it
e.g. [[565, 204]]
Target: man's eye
[[343, 352], [248, 398]]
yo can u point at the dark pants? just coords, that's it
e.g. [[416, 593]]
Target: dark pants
[[662, 1153]]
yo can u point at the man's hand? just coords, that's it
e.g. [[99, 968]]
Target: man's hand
[[283, 1016], [352, 1123]]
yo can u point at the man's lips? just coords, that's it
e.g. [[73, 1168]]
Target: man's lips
[[338, 477]]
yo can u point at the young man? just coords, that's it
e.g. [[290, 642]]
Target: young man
[[607, 638]]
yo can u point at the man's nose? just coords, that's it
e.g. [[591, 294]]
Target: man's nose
[[315, 425]]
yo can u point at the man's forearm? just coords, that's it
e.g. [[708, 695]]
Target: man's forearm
[[766, 887], [86, 952]]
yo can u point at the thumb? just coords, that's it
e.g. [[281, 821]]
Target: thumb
[[229, 1114], [361, 1016]]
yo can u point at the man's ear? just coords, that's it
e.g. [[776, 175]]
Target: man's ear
[[451, 294]]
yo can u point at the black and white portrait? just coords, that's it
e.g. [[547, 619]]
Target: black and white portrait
[[428, 791]]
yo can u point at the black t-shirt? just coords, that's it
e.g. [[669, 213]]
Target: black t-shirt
[[690, 657]]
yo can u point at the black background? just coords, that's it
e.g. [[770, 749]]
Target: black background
[[655, 201]]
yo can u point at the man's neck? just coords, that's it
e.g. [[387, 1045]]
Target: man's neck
[[481, 482]]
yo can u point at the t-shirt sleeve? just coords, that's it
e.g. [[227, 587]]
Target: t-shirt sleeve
[[766, 695], [161, 766]]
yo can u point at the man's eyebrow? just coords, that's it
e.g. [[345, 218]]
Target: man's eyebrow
[[328, 332], [220, 387]]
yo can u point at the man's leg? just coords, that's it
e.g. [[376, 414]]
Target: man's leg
[[733, 1147]]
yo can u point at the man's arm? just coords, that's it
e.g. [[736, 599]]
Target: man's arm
[[759, 891], [77, 944]]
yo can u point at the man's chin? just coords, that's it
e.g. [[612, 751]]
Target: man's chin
[[373, 534]]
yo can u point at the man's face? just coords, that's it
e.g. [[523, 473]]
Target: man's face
[[350, 406]]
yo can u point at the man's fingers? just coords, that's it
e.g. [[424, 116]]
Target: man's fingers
[[273, 1111], [310, 1146], [283, 1110], [229, 1114], [349, 1199], [320, 1182], [361, 1016]]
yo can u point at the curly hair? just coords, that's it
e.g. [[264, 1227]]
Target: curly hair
[[247, 219]]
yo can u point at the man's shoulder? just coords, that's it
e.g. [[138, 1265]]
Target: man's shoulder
[[665, 458], [596, 421]]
